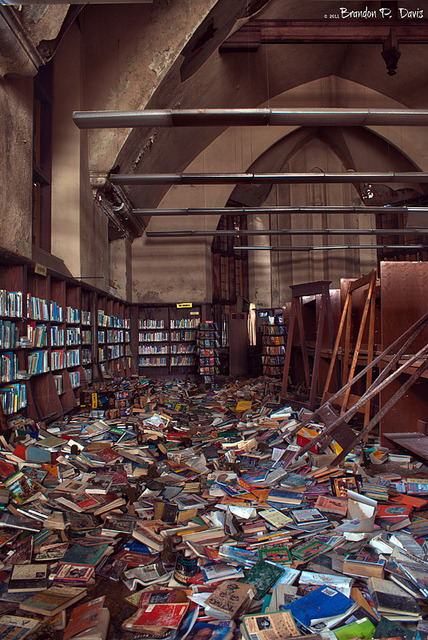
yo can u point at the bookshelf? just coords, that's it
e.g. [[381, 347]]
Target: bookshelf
[[167, 339], [208, 345], [273, 348], [114, 353], [48, 345]]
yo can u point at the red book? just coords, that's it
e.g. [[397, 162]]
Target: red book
[[393, 511], [84, 617]]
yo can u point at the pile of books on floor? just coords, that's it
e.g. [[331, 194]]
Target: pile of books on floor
[[190, 516]]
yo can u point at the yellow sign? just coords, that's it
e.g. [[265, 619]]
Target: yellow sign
[[184, 305], [40, 269], [94, 400], [194, 313]]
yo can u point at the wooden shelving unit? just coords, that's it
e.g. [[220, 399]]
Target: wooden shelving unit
[[55, 352]]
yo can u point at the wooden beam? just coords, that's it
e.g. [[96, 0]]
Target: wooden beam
[[333, 31]]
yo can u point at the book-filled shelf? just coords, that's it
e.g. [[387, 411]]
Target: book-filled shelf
[[167, 339], [113, 336], [273, 347], [48, 338], [208, 345]]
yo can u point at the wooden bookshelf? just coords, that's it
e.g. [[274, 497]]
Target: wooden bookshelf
[[55, 333]]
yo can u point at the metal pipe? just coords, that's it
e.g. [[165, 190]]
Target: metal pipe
[[287, 232], [239, 211], [267, 178], [333, 247], [250, 117]]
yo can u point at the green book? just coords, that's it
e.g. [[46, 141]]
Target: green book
[[262, 576], [281, 555], [362, 629]]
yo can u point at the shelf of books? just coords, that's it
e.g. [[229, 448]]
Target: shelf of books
[[113, 337], [167, 339], [208, 345], [184, 324], [273, 349], [48, 347], [153, 341]]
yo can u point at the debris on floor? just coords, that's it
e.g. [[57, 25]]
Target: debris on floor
[[161, 511]]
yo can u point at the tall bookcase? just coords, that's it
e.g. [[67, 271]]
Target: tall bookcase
[[49, 351], [113, 336], [273, 349]]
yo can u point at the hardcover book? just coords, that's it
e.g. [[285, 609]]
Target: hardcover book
[[168, 616], [262, 576], [392, 602]]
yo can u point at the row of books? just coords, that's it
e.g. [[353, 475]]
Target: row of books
[[86, 356], [146, 349], [274, 350], [183, 361], [37, 308], [151, 324], [273, 341], [73, 358], [183, 348], [180, 336], [114, 336], [153, 362], [185, 323], [57, 312], [59, 383], [37, 335], [273, 360], [86, 336], [115, 322], [86, 317], [274, 330], [57, 336], [75, 379], [8, 366], [9, 334], [38, 362], [73, 336], [57, 360], [11, 303], [115, 351], [156, 336], [13, 397], [73, 315]]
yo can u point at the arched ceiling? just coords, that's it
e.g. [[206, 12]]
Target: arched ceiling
[[253, 79]]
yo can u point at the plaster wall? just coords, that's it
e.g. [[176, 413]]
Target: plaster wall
[[16, 130], [120, 265], [65, 238], [79, 227]]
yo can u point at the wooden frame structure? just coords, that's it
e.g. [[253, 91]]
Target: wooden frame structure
[[337, 428], [346, 318], [298, 292]]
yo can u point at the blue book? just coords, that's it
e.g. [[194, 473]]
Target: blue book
[[320, 605]]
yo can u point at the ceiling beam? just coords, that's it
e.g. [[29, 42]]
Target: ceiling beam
[[267, 178], [334, 247], [286, 232], [239, 211], [333, 31], [250, 117]]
